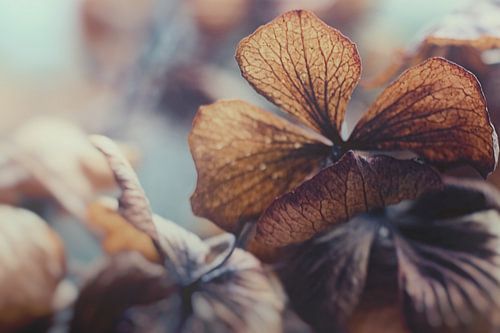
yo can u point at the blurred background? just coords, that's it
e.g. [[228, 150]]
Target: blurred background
[[138, 70]]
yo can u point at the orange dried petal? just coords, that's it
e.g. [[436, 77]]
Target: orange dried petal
[[305, 67], [438, 111], [353, 185], [118, 235], [245, 157]]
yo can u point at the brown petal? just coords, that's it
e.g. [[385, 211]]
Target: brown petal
[[186, 255], [118, 235], [461, 37], [120, 282], [242, 297], [436, 110], [41, 165], [476, 26], [305, 67], [245, 157], [32, 266], [353, 185], [334, 268], [133, 203], [449, 272]]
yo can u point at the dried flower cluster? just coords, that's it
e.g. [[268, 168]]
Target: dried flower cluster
[[353, 253], [346, 231]]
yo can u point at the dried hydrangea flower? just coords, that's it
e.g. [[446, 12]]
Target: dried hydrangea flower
[[245, 156], [198, 286], [429, 265], [469, 37], [35, 163], [32, 268]]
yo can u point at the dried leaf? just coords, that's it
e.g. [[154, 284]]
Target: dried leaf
[[32, 266], [351, 186], [305, 67], [337, 262], [436, 110], [245, 157]]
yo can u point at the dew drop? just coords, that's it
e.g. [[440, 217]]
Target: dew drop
[[297, 145], [262, 166], [383, 232]]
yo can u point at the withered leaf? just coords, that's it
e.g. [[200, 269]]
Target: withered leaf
[[435, 109], [245, 157], [337, 262], [305, 67], [32, 266], [353, 185]]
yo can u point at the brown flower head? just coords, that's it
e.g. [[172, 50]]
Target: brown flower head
[[197, 286], [36, 164], [32, 268], [429, 265], [469, 37], [245, 156]]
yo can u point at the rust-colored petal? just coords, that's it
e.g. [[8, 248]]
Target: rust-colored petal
[[129, 294], [38, 164], [245, 157], [334, 267], [461, 36], [32, 267], [353, 185], [449, 273], [120, 282], [118, 235], [133, 203], [476, 26], [180, 250], [437, 110], [305, 67]]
